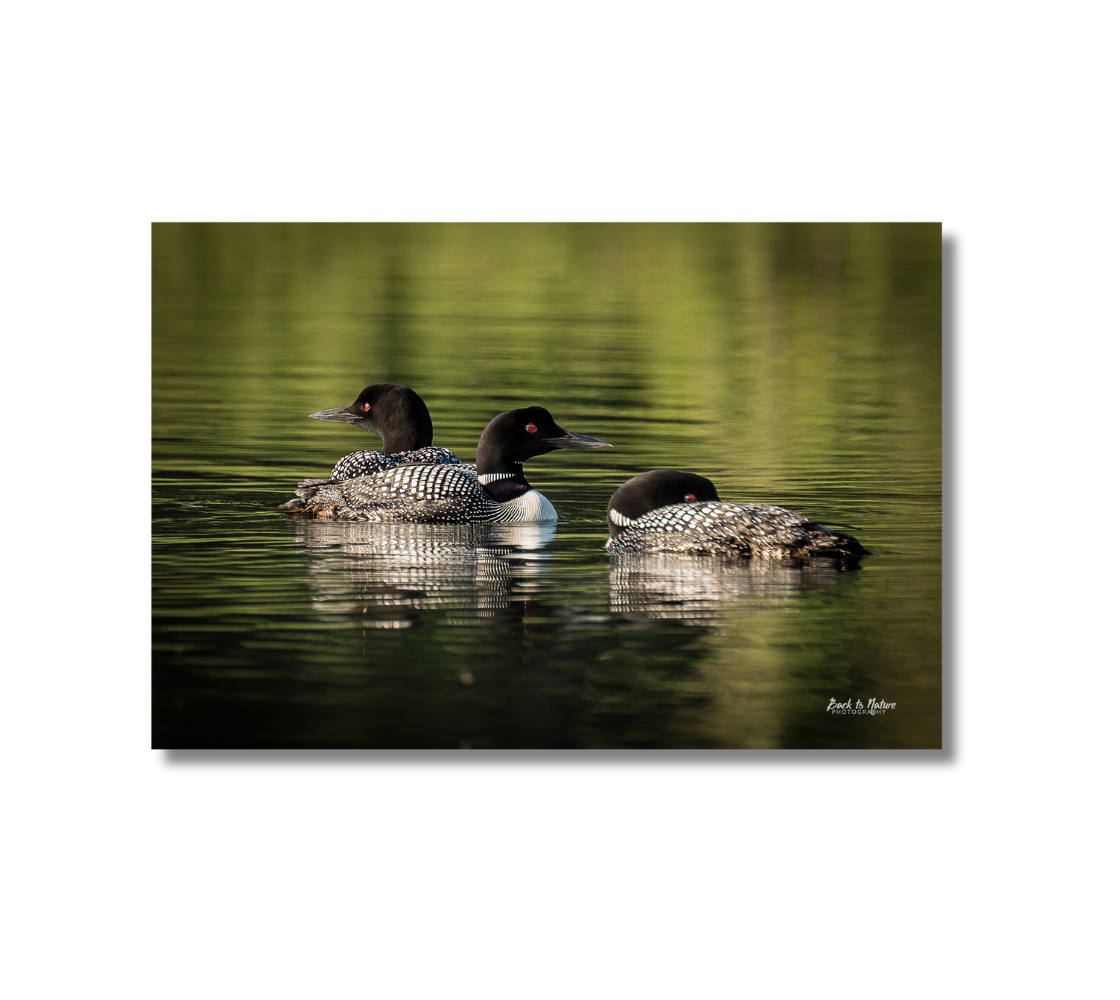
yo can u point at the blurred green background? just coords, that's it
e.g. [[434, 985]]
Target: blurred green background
[[792, 364]]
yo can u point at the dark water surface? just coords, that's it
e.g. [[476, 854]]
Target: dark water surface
[[797, 365]]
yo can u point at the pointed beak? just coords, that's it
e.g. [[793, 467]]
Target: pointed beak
[[339, 415], [571, 440]]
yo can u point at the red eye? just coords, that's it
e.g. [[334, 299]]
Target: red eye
[[690, 498], [531, 428], [365, 406]]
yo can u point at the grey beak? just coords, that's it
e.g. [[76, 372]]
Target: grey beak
[[339, 415], [571, 440]]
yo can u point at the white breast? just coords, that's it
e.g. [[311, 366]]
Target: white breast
[[530, 506]]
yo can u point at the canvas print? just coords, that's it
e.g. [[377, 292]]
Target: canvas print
[[546, 486]]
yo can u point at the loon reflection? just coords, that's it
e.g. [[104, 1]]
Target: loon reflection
[[384, 571], [698, 590]]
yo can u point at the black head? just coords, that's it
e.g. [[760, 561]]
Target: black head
[[515, 436], [658, 488], [394, 412]]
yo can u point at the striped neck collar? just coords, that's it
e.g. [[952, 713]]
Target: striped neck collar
[[492, 477]]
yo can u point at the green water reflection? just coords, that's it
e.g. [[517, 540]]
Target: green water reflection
[[799, 365]]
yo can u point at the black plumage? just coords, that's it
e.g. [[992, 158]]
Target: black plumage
[[496, 490], [400, 417], [670, 511]]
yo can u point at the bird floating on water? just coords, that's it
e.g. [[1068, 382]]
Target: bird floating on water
[[666, 510], [496, 490], [400, 418]]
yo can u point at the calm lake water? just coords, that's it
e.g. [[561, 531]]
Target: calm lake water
[[797, 365]]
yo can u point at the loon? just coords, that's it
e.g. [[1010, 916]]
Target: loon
[[449, 494], [398, 415], [669, 511]]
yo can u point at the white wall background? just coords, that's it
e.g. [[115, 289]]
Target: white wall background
[[987, 870]]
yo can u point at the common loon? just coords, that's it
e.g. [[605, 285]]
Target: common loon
[[432, 494], [670, 511], [398, 415]]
